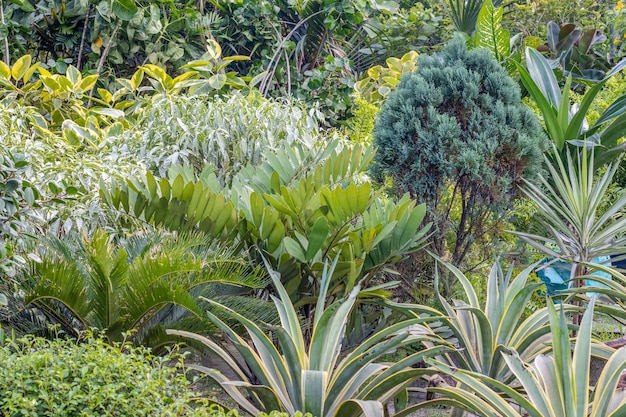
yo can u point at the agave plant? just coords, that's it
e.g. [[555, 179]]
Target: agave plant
[[313, 376], [482, 332], [566, 123], [122, 288], [554, 385]]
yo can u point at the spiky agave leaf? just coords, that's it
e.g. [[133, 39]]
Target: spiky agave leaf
[[311, 376]]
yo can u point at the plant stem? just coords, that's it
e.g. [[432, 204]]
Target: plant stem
[[104, 55], [7, 58], [79, 64], [108, 47]]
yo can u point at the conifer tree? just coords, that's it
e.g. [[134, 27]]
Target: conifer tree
[[456, 135]]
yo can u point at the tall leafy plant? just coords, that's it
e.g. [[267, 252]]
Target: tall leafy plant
[[566, 123], [295, 374], [569, 208], [297, 208]]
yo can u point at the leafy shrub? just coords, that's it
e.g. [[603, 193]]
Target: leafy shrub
[[381, 80], [62, 169], [226, 133], [456, 135], [617, 19], [531, 17], [418, 26], [17, 203], [63, 378]]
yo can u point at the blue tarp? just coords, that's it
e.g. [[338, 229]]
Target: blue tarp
[[557, 274]]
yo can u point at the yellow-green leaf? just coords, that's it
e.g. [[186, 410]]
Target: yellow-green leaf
[[88, 82], [73, 75], [20, 67], [5, 71], [29, 73], [136, 79]]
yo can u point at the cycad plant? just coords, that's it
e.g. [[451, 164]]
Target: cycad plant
[[117, 288], [285, 371], [554, 385]]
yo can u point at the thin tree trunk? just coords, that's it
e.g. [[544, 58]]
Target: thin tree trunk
[[79, 63], [104, 55], [7, 57]]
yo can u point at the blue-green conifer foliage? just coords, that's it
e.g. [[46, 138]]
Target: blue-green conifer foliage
[[457, 127]]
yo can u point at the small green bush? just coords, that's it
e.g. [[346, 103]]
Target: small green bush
[[39, 377]]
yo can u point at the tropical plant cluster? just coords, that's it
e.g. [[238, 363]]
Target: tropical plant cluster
[[312, 208]]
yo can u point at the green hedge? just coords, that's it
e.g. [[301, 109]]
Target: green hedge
[[39, 377]]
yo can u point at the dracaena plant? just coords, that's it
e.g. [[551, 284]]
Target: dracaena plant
[[553, 385], [572, 210], [491, 34], [290, 372], [566, 123]]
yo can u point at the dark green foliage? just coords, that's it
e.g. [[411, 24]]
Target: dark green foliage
[[39, 377], [18, 202], [456, 136]]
